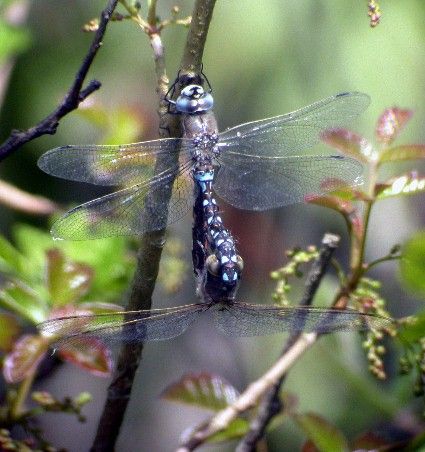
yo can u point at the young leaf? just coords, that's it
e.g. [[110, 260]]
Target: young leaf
[[402, 153], [236, 429], [9, 331], [323, 435], [10, 258], [414, 329], [13, 40], [412, 265], [408, 184], [18, 297], [67, 281], [202, 390], [89, 354], [349, 143], [391, 123], [23, 360]]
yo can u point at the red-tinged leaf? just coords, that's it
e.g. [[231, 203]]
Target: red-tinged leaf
[[349, 143], [202, 390], [402, 153], [391, 123], [9, 331], [346, 208], [408, 184], [370, 441], [90, 354], [324, 436], [67, 281], [66, 311], [23, 360]]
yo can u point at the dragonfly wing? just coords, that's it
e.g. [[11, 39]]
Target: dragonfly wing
[[131, 211], [129, 327], [110, 165], [264, 183], [290, 133], [244, 319]]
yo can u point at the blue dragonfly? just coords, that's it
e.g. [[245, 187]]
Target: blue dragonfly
[[258, 165], [204, 150]]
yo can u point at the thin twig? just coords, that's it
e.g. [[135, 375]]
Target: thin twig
[[150, 251], [271, 381], [72, 99], [271, 404], [23, 201]]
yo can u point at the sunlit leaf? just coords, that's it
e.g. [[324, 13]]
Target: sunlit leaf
[[126, 126], [23, 360], [326, 437], [349, 143], [402, 153], [412, 265], [94, 112], [98, 307], [13, 40], [9, 331], [408, 184], [67, 281], [89, 354], [21, 299], [236, 429], [391, 123], [202, 390], [10, 258]]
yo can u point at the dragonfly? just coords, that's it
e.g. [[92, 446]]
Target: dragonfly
[[218, 266], [258, 166]]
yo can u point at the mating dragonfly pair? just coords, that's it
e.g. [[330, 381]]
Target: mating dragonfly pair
[[252, 166]]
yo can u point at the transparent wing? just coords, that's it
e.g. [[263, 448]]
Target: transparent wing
[[288, 134], [131, 211], [256, 183], [130, 327], [243, 319], [110, 165]]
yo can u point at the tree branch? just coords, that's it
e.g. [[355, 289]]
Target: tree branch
[[271, 381], [149, 254], [271, 404], [72, 99]]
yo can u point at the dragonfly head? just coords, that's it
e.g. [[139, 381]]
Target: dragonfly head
[[194, 99]]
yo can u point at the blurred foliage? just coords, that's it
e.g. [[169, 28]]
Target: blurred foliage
[[311, 49]]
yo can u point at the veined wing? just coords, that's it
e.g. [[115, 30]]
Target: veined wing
[[290, 133], [261, 183], [111, 165], [131, 211], [130, 326], [244, 319]]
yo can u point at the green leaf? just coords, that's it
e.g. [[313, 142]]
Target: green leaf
[[326, 437], [348, 143], [412, 265], [23, 360], [89, 354], [413, 329], [10, 258], [126, 126], [236, 429], [408, 184], [21, 299], [402, 153], [9, 331], [13, 40], [202, 390], [67, 281]]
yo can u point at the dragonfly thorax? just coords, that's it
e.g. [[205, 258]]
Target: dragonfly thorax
[[194, 99]]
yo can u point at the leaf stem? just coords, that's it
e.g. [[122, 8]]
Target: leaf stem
[[16, 408]]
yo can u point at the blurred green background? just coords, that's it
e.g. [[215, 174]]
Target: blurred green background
[[262, 58]]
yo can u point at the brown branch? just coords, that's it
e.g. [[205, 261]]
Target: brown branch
[[149, 254], [269, 384], [72, 99]]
